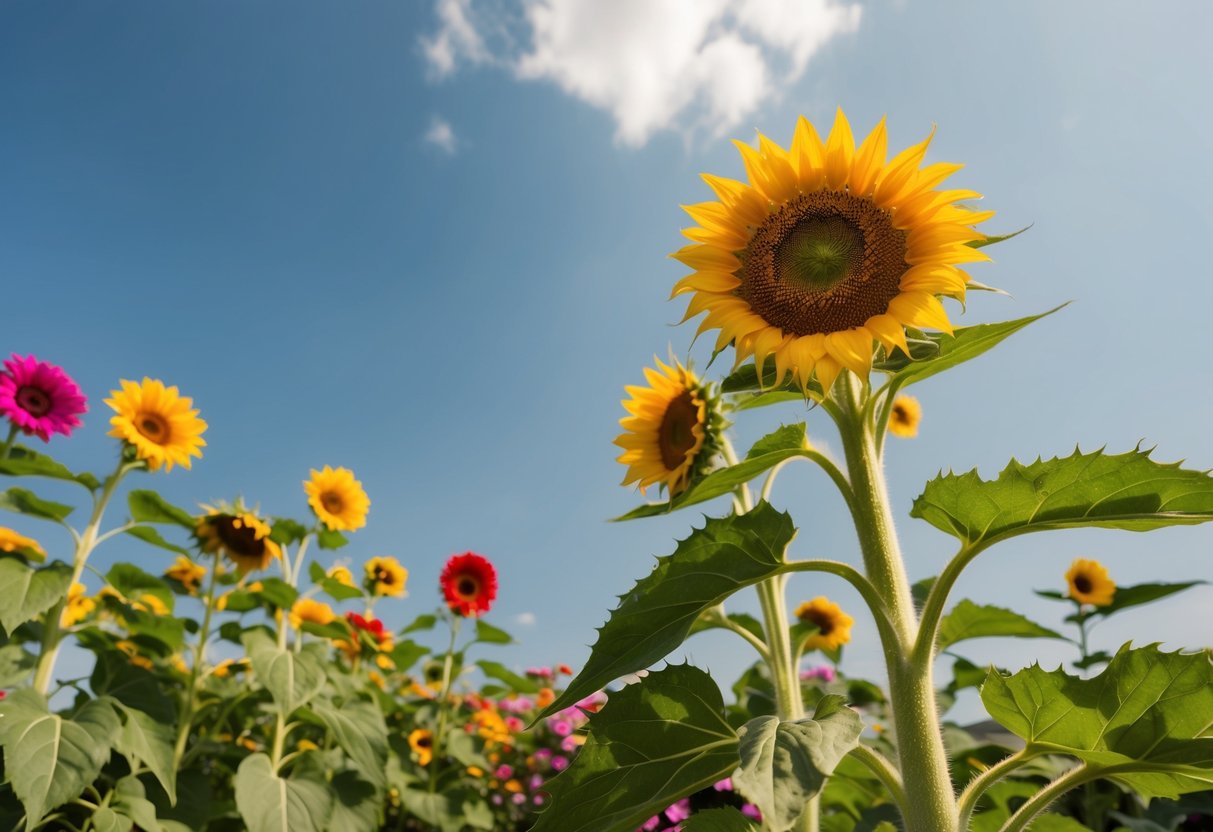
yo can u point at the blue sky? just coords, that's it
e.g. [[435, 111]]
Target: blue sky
[[427, 241]]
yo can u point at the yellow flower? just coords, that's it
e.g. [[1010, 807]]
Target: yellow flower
[[179, 665], [305, 609], [227, 667], [78, 607], [240, 536], [385, 576], [337, 498], [307, 745], [1089, 583], [132, 652], [158, 422], [491, 727], [827, 252], [833, 625], [905, 416], [341, 574], [422, 743], [18, 544], [187, 573], [385, 662], [151, 603], [377, 679], [671, 432]]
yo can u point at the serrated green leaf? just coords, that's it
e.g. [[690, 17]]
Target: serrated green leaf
[[784, 764], [358, 728], [49, 759], [278, 592], [968, 620], [293, 679], [23, 462], [26, 592], [1122, 491], [491, 635], [1145, 719], [657, 615], [1134, 596], [654, 742], [727, 819], [23, 501], [150, 507], [269, 803], [150, 535], [782, 444], [356, 803], [498, 671], [16, 663], [147, 740]]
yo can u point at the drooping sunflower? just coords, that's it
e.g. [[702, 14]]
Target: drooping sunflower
[[187, 573], [827, 252], [385, 576], [1089, 583], [240, 536], [158, 422], [337, 498], [672, 431], [422, 743], [833, 625], [469, 584], [904, 417], [16, 543], [79, 606]]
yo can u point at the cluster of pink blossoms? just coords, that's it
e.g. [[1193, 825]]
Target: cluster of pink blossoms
[[39, 399], [671, 818]]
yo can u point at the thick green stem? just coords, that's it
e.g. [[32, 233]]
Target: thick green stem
[[443, 700], [1040, 801], [973, 792], [191, 693]]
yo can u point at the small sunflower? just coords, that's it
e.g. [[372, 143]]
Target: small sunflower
[[342, 575], [827, 252], [673, 430], [904, 417], [158, 422], [78, 606], [1089, 583], [337, 498], [469, 584], [16, 543], [833, 625], [187, 573], [385, 576], [422, 743], [239, 535], [316, 612]]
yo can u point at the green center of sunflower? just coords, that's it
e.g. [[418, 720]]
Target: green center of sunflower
[[1082, 583], [34, 401], [676, 436], [824, 262]]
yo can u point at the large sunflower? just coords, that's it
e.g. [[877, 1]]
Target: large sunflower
[[672, 430], [239, 535], [158, 422], [827, 251]]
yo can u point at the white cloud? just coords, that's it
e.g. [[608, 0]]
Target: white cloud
[[442, 135], [525, 619], [652, 64]]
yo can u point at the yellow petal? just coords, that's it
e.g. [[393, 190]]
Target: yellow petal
[[840, 149], [707, 258], [827, 371], [900, 171], [808, 156], [890, 332], [920, 309], [868, 161], [852, 348], [718, 282], [933, 278]]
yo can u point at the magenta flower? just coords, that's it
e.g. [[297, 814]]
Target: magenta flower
[[39, 398]]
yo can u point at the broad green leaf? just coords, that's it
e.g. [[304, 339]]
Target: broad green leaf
[[286, 532], [752, 401], [782, 444], [491, 635], [968, 620], [1145, 720], [727, 819], [653, 743], [293, 679], [106, 819], [269, 803], [999, 802], [744, 379], [278, 592], [16, 663], [359, 729], [131, 799], [421, 622], [114, 676], [133, 583], [26, 502], [26, 592], [329, 539], [147, 740], [149, 535], [657, 615], [22, 462], [498, 671], [1122, 491], [1133, 596], [437, 809], [784, 764], [168, 631], [150, 507], [49, 759], [355, 803], [406, 652]]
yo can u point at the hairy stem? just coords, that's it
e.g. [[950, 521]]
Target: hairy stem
[[1040, 801], [979, 784]]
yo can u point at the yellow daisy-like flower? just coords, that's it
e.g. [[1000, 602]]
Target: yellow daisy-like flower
[[385, 576], [827, 251], [18, 544], [905, 416], [305, 609], [337, 498], [672, 430], [187, 573], [78, 606], [833, 625], [342, 575], [1089, 583], [158, 422], [240, 536], [422, 743]]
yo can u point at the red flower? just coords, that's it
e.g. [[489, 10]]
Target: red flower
[[372, 625], [469, 584]]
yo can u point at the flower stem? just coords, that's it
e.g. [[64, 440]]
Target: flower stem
[[187, 713], [1040, 801], [443, 700], [8, 443], [978, 786]]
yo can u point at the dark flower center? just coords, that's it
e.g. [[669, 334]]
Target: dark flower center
[[467, 587], [824, 262], [238, 537], [383, 576], [1082, 584], [34, 401], [424, 742], [824, 622], [899, 413], [676, 435], [332, 502], [153, 426]]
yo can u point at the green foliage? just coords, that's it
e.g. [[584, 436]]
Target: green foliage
[[784, 764], [329, 539], [150, 507], [1144, 721], [26, 592], [1128, 596], [134, 583], [498, 671], [968, 620], [114, 676], [16, 663], [658, 614], [150, 535], [293, 679], [489, 634], [23, 501], [1123, 491], [331, 586], [22, 462], [655, 742], [719, 820], [358, 728], [271, 803], [147, 740]]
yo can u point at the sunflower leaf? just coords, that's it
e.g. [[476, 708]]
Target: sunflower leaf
[[149, 535], [1145, 720], [659, 612], [998, 238], [498, 671], [330, 539], [292, 678], [1123, 491], [270, 803], [968, 620], [1133, 596], [150, 507], [26, 502], [22, 462], [726, 819], [26, 593], [653, 743]]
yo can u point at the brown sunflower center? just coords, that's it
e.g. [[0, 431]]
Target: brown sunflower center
[[467, 587], [676, 436], [34, 401], [825, 623], [238, 537], [153, 426], [824, 262], [332, 502], [899, 413], [383, 576], [424, 741], [1082, 583]]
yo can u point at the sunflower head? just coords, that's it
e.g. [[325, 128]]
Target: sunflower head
[[673, 429], [239, 535], [827, 252], [157, 423], [15, 543], [187, 573], [341, 574], [79, 606], [833, 625], [422, 743], [469, 584], [337, 499], [385, 576], [309, 610], [904, 417], [1089, 583]]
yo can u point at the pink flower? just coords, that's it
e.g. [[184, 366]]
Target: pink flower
[[751, 812], [515, 724], [561, 727], [560, 763], [679, 812], [503, 772], [651, 824], [823, 672], [725, 785], [40, 398]]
